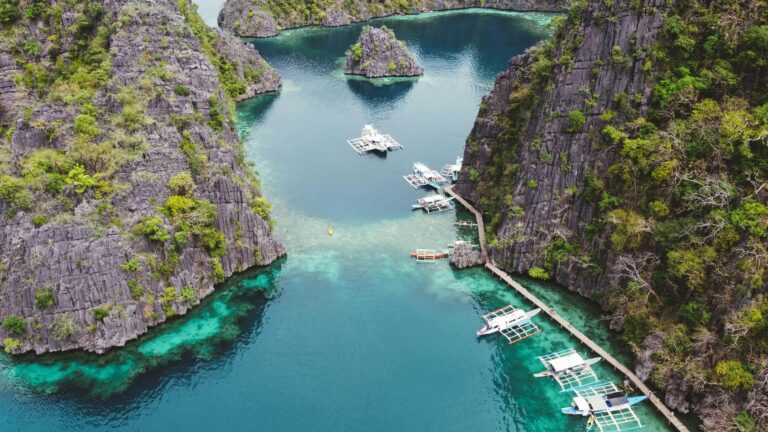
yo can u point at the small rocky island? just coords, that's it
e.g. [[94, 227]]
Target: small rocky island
[[377, 53]]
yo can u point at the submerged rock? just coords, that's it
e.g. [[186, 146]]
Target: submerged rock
[[377, 53], [465, 255]]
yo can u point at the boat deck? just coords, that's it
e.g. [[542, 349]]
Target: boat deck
[[617, 421], [415, 180], [437, 206], [428, 255], [362, 145], [569, 379]]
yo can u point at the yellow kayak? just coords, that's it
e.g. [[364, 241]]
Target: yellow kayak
[[330, 230]]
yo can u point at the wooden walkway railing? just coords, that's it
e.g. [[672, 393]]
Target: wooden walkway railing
[[636, 381]]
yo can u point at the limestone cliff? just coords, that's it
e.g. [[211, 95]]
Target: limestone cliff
[[124, 194], [261, 18], [619, 159], [377, 53]]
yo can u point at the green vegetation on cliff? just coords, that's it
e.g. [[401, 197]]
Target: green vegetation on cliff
[[679, 239], [117, 134]]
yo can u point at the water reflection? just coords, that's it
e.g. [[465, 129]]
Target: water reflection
[[381, 93]]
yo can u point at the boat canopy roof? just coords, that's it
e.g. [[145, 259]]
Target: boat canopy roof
[[597, 403], [617, 401], [581, 404], [566, 362]]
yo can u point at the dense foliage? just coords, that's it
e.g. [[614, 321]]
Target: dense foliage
[[680, 236], [78, 140], [690, 185]]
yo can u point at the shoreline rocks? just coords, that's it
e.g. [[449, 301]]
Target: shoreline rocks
[[465, 256], [153, 204], [259, 18], [377, 53]]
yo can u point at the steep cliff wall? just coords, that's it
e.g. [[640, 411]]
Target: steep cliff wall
[[123, 190], [378, 53], [263, 18], [623, 159]]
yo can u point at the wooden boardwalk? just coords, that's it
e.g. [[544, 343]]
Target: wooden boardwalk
[[637, 382], [478, 218]]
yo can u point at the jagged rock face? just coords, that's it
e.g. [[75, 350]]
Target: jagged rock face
[[80, 255], [601, 65], [378, 53], [549, 209], [464, 256], [243, 54], [255, 18]]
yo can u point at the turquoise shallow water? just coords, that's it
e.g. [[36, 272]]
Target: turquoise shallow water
[[347, 333]]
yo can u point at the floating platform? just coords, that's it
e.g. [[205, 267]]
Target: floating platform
[[373, 141], [568, 368], [424, 176]]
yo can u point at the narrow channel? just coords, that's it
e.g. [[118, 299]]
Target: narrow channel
[[347, 333]]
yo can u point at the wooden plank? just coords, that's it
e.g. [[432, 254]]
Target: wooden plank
[[639, 384], [478, 218]]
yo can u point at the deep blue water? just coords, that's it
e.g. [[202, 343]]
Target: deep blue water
[[347, 333]]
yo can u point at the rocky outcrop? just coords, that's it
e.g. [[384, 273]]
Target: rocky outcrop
[[465, 255], [260, 18], [549, 158], [377, 53], [556, 163], [245, 58], [78, 264]]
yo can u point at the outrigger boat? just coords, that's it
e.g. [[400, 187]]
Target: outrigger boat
[[433, 203], [609, 409], [425, 176], [465, 224], [568, 368], [428, 255], [513, 323], [600, 397], [373, 141], [452, 171]]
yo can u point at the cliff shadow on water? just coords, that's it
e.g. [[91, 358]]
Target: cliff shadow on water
[[380, 92], [204, 340]]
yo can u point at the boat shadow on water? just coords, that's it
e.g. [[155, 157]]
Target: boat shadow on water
[[206, 339]]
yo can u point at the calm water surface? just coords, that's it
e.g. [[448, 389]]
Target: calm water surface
[[346, 333]]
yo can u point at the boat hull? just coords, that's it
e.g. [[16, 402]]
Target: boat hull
[[430, 256], [633, 400]]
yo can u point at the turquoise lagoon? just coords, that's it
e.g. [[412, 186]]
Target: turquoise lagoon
[[347, 333]]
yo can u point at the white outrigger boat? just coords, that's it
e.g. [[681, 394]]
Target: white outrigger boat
[[600, 397], [452, 171], [608, 409], [425, 176], [373, 141], [568, 368], [513, 323], [433, 203]]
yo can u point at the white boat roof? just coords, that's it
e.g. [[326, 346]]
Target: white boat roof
[[433, 198], [597, 403], [512, 316], [566, 362], [581, 403]]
